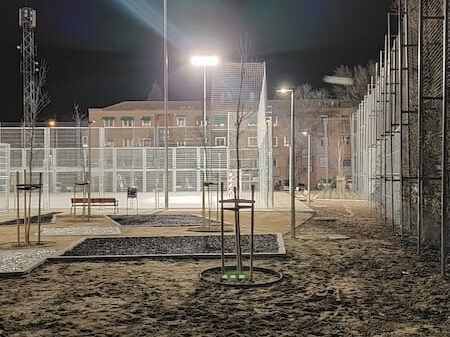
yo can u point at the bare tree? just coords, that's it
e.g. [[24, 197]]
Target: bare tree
[[361, 76], [40, 99]]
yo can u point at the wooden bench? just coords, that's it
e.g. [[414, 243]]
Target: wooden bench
[[94, 202]]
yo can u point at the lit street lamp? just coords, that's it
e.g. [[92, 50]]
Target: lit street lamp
[[292, 157], [308, 134], [205, 62]]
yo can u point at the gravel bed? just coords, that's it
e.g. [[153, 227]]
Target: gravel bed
[[80, 230], [21, 260], [168, 245], [45, 218], [160, 220]]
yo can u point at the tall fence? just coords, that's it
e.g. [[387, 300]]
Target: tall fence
[[400, 134], [61, 155], [4, 176]]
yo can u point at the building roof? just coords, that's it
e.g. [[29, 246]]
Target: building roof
[[154, 105]]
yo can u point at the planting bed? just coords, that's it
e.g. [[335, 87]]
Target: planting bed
[[45, 218], [174, 245], [159, 220]]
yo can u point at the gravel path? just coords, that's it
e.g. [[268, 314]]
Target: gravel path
[[20, 260], [159, 220], [80, 230], [208, 244]]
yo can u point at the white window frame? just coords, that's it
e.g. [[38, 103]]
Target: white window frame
[[274, 141], [275, 161], [127, 123], [108, 122], [223, 139], [181, 143], [323, 118], [285, 141], [250, 141], [127, 142], [179, 119], [146, 122], [146, 142]]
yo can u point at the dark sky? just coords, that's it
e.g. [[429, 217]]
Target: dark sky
[[100, 52]]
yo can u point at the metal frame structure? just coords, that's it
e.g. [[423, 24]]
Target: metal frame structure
[[405, 122]]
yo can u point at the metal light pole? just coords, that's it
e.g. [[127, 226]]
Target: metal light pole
[[292, 157], [166, 114], [308, 134], [89, 180], [205, 61]]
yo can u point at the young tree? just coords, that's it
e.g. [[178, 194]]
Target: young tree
[[39, 100]]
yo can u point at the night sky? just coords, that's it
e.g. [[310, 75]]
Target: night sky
[[100, 52]]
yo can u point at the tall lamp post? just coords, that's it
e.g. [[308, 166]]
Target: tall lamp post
[[292, 157], [205, 61], [308, 134], [89, 177]]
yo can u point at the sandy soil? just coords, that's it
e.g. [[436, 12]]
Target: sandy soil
[[367, 285]]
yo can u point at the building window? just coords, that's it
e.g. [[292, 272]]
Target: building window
[[251, 120], [323, 161], [252, 142], [181, 121], [346, 140], [285, 141], [181, 143], [198, 120], [347, 162], [274, 141], [146, 121], [219, 120], [219, 141], [85, 141], [323, 141], [146, 142], [127, 142], [323, 119], [275, 162], [108, 121], [127, 121]]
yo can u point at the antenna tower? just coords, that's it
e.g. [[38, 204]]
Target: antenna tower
[[27, 22]]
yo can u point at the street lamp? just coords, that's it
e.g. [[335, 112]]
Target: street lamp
[[89, 180], [292, 157], [205, 61], [308, 134]]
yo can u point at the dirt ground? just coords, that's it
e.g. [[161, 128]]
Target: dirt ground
[[367, 285]]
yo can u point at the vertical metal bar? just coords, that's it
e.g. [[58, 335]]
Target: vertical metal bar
[[419, 131], [166, 113], [309, 168], [18, 207], [292, 170], [444, 181], [392, 102], [39, 208], [400, 101], [385, 112], [222, 245], [252, 232]]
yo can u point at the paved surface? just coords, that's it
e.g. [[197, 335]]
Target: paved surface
[[67, 230]]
